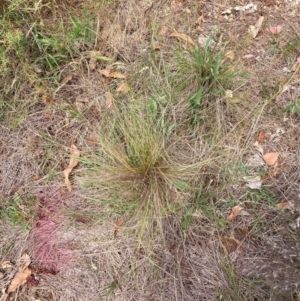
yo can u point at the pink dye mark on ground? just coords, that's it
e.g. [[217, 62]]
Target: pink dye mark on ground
[[49, 251]]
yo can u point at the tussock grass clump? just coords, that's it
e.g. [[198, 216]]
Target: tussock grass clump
[[138, 162]]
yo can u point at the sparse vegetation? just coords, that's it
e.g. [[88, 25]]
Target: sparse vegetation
[[171, 199]]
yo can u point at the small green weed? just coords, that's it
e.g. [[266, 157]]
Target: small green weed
[[209, 73], [259, 196], [286, 47], [291, 109], [11, 211]]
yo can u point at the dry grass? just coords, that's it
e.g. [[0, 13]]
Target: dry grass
[[146, 219]]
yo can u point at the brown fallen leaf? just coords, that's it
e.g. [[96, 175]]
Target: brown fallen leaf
[[23, 273], [286, 205], [75, 153], [19, 279], [117, 75], [119, 223], [48, 99], [104, 72], [200, 20], [66, 79], [108, 101], [91, 140], [13, 191], [48, 115], [260, 136], [294, 67], [156, 46], [234, 212], [270, 158], [230, 55], [6, 265], [24, 262], [124, 87], [112, 74], [36, 177], [232, 243], [183, 37], [254, 30], [269, 2]]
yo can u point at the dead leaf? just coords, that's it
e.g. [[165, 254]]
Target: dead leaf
[[269, 2], [36, 177], [93, 63], [23, 273], [119, 223], [75, 153], [183, 37], [117, 75], [109, 99], [124, 87], [48, 115], [260, 136], [23, 262], [200, 20], [66, 79], [48, 99], [13, 191], [63, 191], [274, 29], [104, 72], [230, 55], [253, 182], [19, 279], [286, 205], [234, 212], [232, 243], [111, 74], [6, 265], [254, 30], [91, 140], [270, 158], [156, 46], [294, 67]]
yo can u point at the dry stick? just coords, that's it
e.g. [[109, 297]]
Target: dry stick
[[97, 30]]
